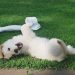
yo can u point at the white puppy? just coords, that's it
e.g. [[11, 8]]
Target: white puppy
[[43, 48], [38, 47]]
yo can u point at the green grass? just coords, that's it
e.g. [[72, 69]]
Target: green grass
[[57, 18]]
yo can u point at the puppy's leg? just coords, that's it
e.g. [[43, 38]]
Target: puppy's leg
[[70, 50], [63, 46], [26, 31]]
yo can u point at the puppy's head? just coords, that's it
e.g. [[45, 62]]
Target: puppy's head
[[11, 48]]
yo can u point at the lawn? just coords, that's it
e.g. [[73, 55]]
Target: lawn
[[57, 18]]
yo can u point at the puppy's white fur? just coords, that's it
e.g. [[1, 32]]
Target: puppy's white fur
[[11, 44], [51, 49]]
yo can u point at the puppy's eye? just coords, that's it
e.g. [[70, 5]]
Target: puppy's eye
[[8, 49]]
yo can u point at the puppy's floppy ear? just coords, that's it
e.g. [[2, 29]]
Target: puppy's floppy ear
[[1, 54]]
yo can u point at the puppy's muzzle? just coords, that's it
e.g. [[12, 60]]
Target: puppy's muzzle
[[19, 45]]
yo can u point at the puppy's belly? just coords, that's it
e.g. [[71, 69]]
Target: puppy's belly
[[39, 48]]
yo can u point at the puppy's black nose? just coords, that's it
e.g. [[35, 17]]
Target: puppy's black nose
[[19, 45], [16, 51]]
